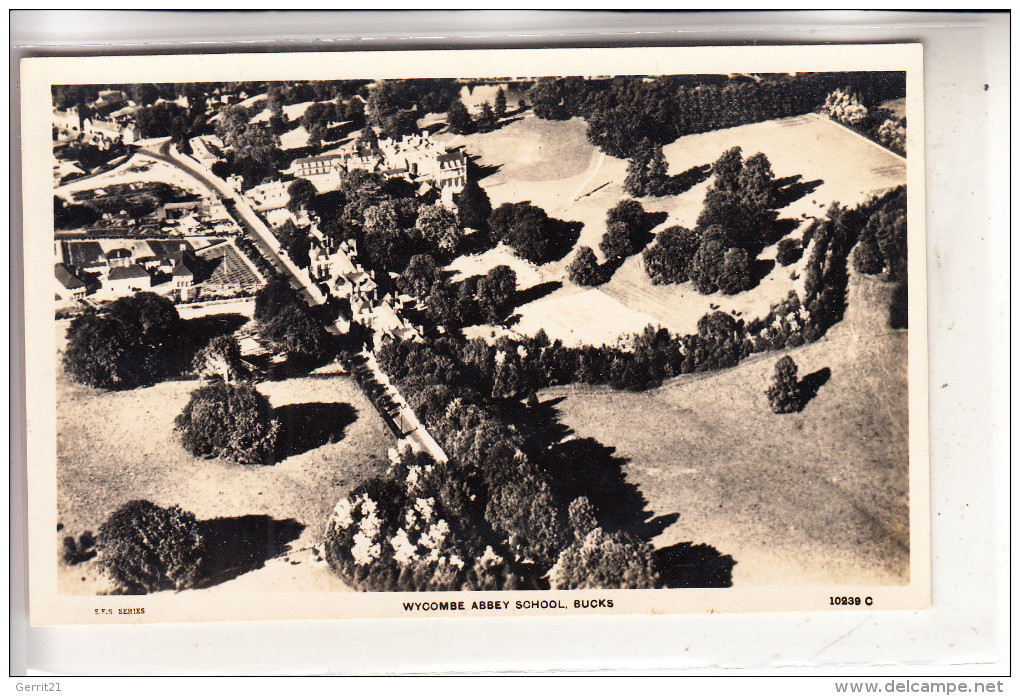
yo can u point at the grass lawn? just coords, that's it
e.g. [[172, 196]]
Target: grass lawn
[[113, 447], [552, 164], [813, 497]]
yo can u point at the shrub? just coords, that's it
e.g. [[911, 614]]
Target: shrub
[[784, 392], [146, 548], [232, 421], [605, 561], [788, 251]]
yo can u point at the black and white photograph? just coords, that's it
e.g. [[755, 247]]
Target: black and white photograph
[[594, 341]]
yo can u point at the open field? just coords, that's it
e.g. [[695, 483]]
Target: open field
[[101, 464], [814, 497], [573, 181]]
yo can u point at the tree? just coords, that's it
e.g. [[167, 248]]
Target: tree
[[486, 120], [301, 194], [134, 342], [420, 277], [496, 292], [298, 249], [670, 258], [584, 269], [473, 207], [784, 393], [499, 103], [295, 332], [605, 561], [735, 272], [438, 226], [458, 120], [647, 172], [220, 359], [616, 244], [273, 297], [231, 421], [146, 548], [727, 169], [523, 227], [707, 263]]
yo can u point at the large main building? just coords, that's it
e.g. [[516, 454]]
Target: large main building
[[417, 158]]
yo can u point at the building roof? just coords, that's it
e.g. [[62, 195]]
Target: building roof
[[118, 253], [316, 159], [128, 272], [66, 278], [166, 249]]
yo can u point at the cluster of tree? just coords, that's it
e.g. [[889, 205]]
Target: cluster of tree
[[286, 323], [882, 248], [296, 242], [71, 216], [496, 482], [736, 221], [627, 232], [892, 133], [648, 172], [394, 106], [458, 120], [478, 299], [529, 231], [623, 111], [254, 152], [846, 107], [135, 340]]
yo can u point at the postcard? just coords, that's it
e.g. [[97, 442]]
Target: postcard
[[475, 332]]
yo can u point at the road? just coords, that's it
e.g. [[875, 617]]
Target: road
[[255, 229], [269, 246]]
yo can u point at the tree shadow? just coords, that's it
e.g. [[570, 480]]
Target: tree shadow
[[237, 545], [761, 268], [200, 330], [810, 384], [779, 229], [507, 120], [642, 236], [304, 427], [586, 467], [687, 565], [793, 188], [686, 180], [196, 334], [562, 235], [535, 292]]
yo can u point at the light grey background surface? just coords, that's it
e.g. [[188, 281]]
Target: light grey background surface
[[967, 122]]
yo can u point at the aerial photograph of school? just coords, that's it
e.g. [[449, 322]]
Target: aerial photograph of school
[[549, 333]]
